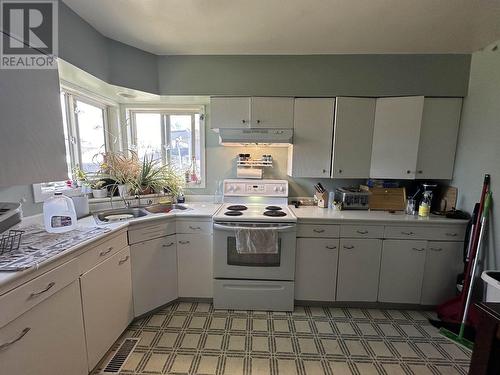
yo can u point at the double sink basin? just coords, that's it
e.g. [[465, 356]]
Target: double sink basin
[[122, 214]]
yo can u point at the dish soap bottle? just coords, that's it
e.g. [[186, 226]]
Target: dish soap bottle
[[59, 214], [425, 205]]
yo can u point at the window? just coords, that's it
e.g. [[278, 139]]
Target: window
[[176, 136]]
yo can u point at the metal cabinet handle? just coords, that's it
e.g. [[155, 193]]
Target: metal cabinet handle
[[168, 245], [318, 230], [451, 234], [324, 170], [331, 247], [340, 170], [194, 228], [420, 172], [408, 233], [19, 337], [417, 249], [408, 171], [47, 288], [348, 247], [121, 261], [183, 242], [105, 252], [436, 248], [243, 121], [362, 231], [258, 121]]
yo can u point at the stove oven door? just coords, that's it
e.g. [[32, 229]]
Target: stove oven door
[[229, 264]]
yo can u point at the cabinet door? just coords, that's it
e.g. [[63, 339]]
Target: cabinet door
[[353, 137], [272, 112], [230, 112], [316, 269], [311, 152], [438, 138], [359, 266], [442, 265], [396, 137], [154, 273], [401, 271], [48, 339], [107, 304], [194, 260], [32, 137]]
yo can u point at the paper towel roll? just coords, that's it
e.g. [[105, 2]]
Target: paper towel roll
[[249, 172]]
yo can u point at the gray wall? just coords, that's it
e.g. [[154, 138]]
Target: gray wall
[[17, 193], [479, 142]]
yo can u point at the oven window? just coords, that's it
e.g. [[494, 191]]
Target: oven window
[[251, 260]]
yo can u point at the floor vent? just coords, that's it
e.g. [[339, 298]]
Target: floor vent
[[115, 364]]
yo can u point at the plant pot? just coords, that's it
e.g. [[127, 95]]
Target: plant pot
[[100, 193], [123, 190], [146, 191]]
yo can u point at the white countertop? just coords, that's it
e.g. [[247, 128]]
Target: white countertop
[[316, 214]]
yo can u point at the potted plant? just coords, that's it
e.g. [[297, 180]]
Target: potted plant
[[155, 177], [99, 188], [123, 168]]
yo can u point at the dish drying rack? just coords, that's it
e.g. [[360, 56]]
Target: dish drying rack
[[10, 241]]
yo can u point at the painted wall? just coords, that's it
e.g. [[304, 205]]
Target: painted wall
[[479, 143]]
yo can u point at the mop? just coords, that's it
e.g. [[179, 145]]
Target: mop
[[460, 339]]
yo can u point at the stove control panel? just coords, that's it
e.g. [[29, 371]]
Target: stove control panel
[[260, 188]]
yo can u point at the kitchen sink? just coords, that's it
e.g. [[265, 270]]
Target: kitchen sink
[[119, 214], [165, 208]]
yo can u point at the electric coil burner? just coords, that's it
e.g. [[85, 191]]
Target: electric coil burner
[[237, 207], [273, 208], [233, 213], [274, 213]]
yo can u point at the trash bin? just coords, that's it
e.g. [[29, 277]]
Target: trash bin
[[492, 281]]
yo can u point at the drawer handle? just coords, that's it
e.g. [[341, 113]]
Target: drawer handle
[[184, 242], [362, 231], [168, 244], [452, 234], [46, 289], [121, 261], [417, 249], [331, 247], [194, 228], [348, 247], [318, 230], [105, 252], [436, 248], [21, 335], [408, 233]]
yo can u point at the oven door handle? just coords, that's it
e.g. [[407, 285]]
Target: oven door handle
[[233, 227]]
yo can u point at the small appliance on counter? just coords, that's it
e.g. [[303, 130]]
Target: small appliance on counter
[[10, 215], [352, 198]]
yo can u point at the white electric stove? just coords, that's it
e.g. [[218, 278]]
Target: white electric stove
[[254, 281]]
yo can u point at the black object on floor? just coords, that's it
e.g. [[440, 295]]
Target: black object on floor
[[470, 332]]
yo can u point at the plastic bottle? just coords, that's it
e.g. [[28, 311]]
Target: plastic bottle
[[425, 206], [59, 214]]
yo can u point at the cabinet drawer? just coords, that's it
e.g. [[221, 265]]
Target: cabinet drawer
[[318, 230], [195, 227], [447, 233], [23, 298], [149, 232], [101, 252], [362, 231]]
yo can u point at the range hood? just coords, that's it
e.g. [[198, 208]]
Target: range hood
[[274, 137]]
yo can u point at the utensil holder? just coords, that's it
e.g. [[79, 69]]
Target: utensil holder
[[322, 199]]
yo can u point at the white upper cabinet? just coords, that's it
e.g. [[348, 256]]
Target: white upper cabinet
[[230, 112], [272, 112], [438, 138], [31, 129], [352, 137], [396, 137], [311, 152], [255, 112]]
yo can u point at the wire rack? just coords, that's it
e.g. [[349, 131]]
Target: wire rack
[[10, 241]]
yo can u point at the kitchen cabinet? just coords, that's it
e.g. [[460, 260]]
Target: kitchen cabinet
[[358, 270], [154, 273], [48, 339], [316, 269], [107, 304], [442, 265], [251, 112], [32, 145], [438, 138], [194, 265], [353, 137], [402, 271]]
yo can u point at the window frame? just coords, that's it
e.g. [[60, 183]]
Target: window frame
[[171, 110]]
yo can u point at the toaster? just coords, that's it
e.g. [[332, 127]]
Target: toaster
[[352, 198]]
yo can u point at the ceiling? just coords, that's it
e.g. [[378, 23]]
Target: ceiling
[[206, 27]]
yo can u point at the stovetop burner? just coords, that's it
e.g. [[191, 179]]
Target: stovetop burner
[[274, 213], [237, 207], [273, 208], [233, 213]]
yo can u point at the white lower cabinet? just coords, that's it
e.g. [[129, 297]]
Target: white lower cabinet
[[107, 304], [154, 273], [359, 269], [442, 264], [316, 269], [401, 271], [194, 262], [48, 339]]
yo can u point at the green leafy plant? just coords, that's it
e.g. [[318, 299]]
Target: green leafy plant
[[154, 177]]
